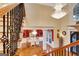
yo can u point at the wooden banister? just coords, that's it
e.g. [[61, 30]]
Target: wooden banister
[[7, 8], [62, 48]]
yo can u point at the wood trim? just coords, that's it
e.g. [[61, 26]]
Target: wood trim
[[62, 48], [7, 8]]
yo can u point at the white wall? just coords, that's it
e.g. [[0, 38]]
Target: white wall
[[39, 15], [65, 22]]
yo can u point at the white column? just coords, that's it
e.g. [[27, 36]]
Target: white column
[[44, 40]]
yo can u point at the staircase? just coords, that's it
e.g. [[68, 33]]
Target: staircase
[[1, 33], [11, 17], [63, 51], [2, 7]]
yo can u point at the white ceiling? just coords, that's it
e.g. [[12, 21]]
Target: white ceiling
[[58, 13], [52, 4]]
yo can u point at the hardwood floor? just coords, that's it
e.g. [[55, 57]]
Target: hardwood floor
[[29, 51], [35, 51]]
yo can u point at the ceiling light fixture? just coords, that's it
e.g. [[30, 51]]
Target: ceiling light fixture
[[34, 32], [59, 13]]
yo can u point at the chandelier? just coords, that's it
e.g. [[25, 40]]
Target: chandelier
[[58, 13], [34, 32]]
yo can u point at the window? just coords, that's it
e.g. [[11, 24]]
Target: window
[[76, 12]]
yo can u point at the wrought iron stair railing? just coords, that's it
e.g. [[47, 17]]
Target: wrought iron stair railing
[[14, 15]]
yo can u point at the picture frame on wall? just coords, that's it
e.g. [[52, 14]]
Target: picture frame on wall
[[64, 33]]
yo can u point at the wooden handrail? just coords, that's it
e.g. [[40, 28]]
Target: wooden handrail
[[7, 8], [62, 48]]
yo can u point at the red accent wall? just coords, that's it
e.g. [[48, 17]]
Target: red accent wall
[[39, 33], [26, 33]]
